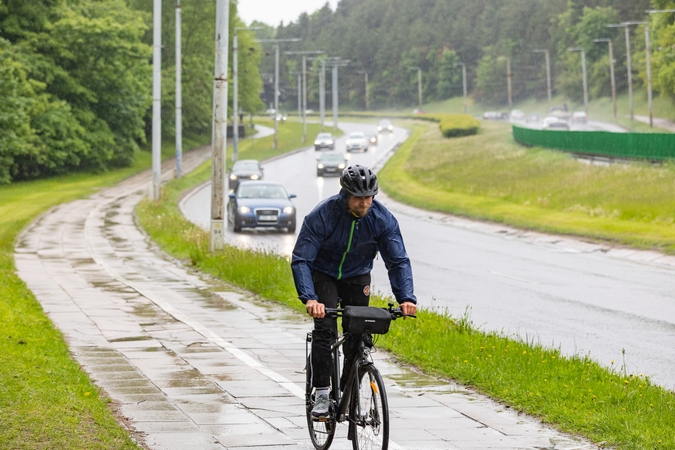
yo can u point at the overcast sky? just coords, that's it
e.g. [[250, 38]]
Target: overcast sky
[[272, 12]]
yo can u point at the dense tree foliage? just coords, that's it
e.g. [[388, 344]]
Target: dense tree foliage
[[388, 38], [74, 89]]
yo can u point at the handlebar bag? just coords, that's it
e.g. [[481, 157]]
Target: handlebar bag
[[364, 319]]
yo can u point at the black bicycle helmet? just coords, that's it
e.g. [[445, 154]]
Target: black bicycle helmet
[[359, 181]]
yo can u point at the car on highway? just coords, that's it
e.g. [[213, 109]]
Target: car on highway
[[418, 111], [490, 115], [532, 118], [517, 114], [330, 164], [372, 138], [385, 125], [357, 142], [261, 204], [554, 123], [579, 117], [242, 170], [324, 140]]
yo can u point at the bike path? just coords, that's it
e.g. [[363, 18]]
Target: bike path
[[191, 363]]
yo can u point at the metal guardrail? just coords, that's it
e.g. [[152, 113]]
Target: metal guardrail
[[651, 146]]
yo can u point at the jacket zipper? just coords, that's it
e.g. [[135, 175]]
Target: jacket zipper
[[349, 246]]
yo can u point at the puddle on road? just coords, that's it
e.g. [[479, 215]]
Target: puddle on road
[[411, 380]]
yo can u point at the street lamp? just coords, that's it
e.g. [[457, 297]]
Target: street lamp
[[419, 84], [583, 70], [299, 74], [548, 73], [508, 78], [304, 86], [611, 69], [336, 62], [367, 97], [235, 90], [463, 83], [276, 83]]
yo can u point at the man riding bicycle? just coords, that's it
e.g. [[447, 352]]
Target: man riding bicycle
[[332, 260]]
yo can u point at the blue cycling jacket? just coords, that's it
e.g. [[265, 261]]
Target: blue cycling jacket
[[336, 243]]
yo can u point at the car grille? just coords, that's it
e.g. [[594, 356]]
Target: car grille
[[267, 216]]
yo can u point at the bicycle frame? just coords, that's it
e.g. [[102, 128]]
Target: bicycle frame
[[342, 398]]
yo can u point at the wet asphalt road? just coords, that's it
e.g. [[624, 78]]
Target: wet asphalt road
[[584, 298]]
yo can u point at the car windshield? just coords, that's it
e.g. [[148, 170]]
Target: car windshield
[[247, 190], [324, 136], [357, 136], [245, 165], [332, 157], [385, 123]]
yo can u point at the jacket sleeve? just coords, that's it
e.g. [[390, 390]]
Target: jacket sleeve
[[305, 251], [390, 244]]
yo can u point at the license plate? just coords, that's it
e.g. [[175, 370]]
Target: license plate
[[267, 217], [330, 169]]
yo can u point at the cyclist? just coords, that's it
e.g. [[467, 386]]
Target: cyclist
[[332, 259]]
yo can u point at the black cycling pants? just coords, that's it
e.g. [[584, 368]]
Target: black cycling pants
[[353, 291]]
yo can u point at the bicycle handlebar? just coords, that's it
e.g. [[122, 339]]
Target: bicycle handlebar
[[395, 312]]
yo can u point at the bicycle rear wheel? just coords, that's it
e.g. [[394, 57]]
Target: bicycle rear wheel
[[321, 433], [372, 411]]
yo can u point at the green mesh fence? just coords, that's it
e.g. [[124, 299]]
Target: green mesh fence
[[653, 146]]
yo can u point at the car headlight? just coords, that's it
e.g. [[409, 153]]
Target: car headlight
[[341, 166], [317, 142], [255, 177], [379, 128], [330, 142], [288, 210], [233, 177], [320, 166], [244, 209], [391, 128]]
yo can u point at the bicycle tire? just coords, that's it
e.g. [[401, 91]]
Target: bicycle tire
[[320, 433], [372, 409]]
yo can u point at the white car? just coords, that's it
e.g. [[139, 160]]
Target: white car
[[517, 114], [554, 123], [357, 142], [579, 117], [385, 125]]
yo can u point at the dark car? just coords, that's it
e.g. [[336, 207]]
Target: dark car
[[324, 140], [372, 138], [242, 170], [261, 204], [330, 164]]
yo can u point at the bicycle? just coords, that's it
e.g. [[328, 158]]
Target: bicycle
[[363, 403]]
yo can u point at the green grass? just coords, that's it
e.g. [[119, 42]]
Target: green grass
[[574, 394], [46, 400], [489, 176]]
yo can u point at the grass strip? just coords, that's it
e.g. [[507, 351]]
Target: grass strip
[[489, 176], [575, 394], [46, 400]]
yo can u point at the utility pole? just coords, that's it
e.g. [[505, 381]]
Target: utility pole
[[508, 78], [276, 84], [463, 84], [365, 73], [156, 99], [611, 70], [299, 74], [235, 90], [219, 126], [322, 93], [304, 87], [419, 84], [179, 95], [548, 73], [583, 71]]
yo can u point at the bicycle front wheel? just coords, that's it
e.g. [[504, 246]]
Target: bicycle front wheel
[[321, 433], [371, 411]]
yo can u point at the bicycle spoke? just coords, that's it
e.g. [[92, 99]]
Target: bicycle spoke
[[372, 414]]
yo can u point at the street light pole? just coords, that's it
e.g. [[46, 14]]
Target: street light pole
[[548, 73], [304, 87], [611, 69], [419, 84], [156, 99], [463, 83], [179, 95], [219, 126], [366, 83], [649, 76], [583, 71], [299, 74], [235, 90], [322, 93], [508, 78]]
